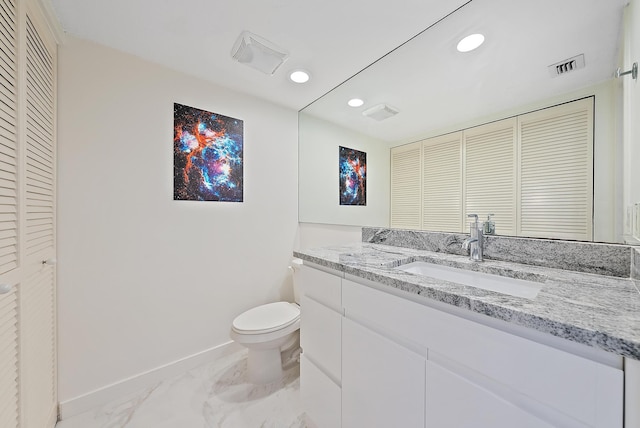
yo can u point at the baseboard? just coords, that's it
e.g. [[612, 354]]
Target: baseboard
[[133, 384]]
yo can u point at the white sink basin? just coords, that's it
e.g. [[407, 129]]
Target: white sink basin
[[486, 281]]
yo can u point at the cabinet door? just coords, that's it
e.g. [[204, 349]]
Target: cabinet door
[[454, 401], [631, 393], [320, 336], [383, 383], [320, 395]]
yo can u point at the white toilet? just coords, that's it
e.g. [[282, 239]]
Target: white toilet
[[266, 330]]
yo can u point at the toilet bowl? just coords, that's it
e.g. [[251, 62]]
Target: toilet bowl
[[267, 330]]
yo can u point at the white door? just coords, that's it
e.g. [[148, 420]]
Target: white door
[[37, 295], [27, 218], [9, 263]]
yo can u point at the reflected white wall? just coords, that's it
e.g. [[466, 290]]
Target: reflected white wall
[[319, 198]]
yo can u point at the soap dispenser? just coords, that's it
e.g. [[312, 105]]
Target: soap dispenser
[[489, 226]]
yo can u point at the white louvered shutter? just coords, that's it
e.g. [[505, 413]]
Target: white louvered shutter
[[490, 173], [9, 339], [556, 172], [442, 183], [38, 382], [405, 186], [9, 359]]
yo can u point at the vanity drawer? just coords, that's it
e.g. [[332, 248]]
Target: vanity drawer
[[321, 286], [399, 319], [587, 391]]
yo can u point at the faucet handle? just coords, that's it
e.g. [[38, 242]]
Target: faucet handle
[[475, 217]]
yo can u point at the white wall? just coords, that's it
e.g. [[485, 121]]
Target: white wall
[[318, 181], [313, 235], [144, 280]]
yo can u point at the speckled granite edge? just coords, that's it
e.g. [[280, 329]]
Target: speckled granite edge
[[599, 311], [635, 263], [587, 257], [597, 339]]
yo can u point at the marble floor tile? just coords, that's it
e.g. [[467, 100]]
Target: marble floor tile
[[211, 396]]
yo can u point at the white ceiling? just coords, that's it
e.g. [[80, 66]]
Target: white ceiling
[[436, 88], [333, 39]]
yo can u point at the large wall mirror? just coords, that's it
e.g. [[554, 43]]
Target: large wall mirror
[[437, 89]]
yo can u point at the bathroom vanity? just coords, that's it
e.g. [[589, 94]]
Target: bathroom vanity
[[384, 346]]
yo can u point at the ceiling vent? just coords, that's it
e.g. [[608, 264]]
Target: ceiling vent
[[256, 52], [566, 66], [380, 112]]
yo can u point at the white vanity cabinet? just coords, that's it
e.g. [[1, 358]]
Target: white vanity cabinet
[[320, 340], [393, 361], [468, 374]]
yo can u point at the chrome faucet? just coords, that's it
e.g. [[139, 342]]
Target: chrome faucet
[[475, 240]]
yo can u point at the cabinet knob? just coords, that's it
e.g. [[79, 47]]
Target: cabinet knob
[[52, 261], [5, 288]]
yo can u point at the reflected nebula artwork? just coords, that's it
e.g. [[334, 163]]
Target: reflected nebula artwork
[[207, 156], [353, 177]]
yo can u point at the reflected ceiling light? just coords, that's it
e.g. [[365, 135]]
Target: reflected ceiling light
[[355, 102], [470, 43], [299, 76]]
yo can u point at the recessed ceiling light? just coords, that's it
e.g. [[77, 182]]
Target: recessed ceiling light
[[299, 76], [355, 102], [470, 43]]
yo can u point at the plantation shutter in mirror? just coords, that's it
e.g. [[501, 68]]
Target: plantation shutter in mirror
[[490, 174], [556, 172], [405, 186], [8, 140], [442, 183], [9, 341], [38, 384]]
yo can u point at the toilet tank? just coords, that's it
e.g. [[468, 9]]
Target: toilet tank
[[295, 268]]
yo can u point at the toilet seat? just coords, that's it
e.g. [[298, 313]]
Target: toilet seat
[[266, 318]]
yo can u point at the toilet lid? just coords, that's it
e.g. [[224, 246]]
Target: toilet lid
[[266, 318]]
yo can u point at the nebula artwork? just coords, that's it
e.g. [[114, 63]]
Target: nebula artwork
[[353, 177], [207, 156]]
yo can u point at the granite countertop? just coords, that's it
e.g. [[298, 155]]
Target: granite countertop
[[595, 310]]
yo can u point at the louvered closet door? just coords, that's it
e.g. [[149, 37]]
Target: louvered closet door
[[490, 173], [38, 383], [405, 186], [442, 183], [556, 172], [9, 271]]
